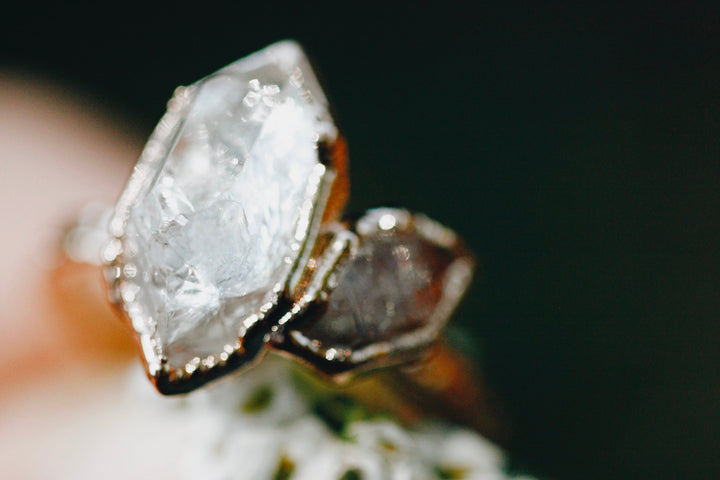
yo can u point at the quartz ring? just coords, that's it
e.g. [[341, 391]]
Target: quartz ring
[[228, 240]]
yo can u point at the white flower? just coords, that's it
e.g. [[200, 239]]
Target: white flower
[[259, 425]]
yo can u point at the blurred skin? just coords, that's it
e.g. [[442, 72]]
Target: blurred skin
[[55, 322]]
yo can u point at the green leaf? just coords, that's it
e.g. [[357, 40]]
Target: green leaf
[[259, 400]]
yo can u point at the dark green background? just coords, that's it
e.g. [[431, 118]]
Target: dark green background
[[577, 149]]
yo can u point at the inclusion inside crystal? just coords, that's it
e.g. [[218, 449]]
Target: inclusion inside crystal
[[210, 237]]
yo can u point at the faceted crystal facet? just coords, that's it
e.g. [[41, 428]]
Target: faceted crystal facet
[[211, 235]]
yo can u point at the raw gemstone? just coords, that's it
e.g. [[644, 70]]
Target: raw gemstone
[[391, 287], [210, 238]]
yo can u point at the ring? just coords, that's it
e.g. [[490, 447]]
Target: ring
[[228, 241]]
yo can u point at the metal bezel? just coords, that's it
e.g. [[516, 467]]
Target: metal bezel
[[342, 364]]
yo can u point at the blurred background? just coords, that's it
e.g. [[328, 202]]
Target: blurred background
[[576, 149]]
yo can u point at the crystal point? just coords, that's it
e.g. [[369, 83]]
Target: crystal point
[[216, 202]]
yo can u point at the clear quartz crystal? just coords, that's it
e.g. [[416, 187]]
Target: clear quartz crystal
[[210, 236]]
